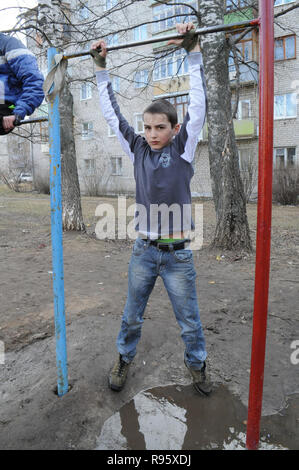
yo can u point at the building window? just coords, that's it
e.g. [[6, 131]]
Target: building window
[[84, 48], [89, 166], [116, 165], [231, 67], [67, 31], [84, 11], [87, 130], [181, 105], [140, 33], [141, 78], [170, 65], [66, 25], [245, 159], [138, 123], [244, 109], [115, 82], [282, 2], [285, 106], [235, 4], [110, 4], [245, 47], [44, 133], [112, 40], [166, 16], [284, 157], [285, 48], [86, 91]]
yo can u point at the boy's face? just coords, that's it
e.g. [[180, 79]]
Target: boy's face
[[158, 130]]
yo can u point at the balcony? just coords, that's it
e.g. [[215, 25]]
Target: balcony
[[238, 15], [244, 129]]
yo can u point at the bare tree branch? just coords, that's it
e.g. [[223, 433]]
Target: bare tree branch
[[287, 10]]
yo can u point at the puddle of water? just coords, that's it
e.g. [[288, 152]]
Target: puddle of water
[[177, 418]]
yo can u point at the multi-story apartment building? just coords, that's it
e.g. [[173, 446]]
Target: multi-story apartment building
[[142, 74], [286, 86]]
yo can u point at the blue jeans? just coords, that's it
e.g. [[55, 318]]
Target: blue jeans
[[176, 268]]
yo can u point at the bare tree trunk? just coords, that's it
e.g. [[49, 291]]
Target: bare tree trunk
[[50, 18], [232, 230], [72, 218]]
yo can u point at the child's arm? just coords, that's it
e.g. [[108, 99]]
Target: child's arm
[[186, 140], [111, 112]]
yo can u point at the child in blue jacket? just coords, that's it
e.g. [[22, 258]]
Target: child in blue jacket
[[21, 83]]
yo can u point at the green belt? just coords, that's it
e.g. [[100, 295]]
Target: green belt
[[169, 240]]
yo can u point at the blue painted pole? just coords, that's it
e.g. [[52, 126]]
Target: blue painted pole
[[56, 229]]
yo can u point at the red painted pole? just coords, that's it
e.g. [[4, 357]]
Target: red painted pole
[[263, 241]]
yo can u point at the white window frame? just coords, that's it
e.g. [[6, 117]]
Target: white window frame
[[112, 39], [282, 2], [163, 12], [84, 12], [118, 166], [85, 48], [285, 149], [109, 4], [240, 109], [143, 78], [249, 156], [138, 117], [285, 116], [239, 116], [88, 91], [170, 61], [89, 166], [239, 4], [140, 33], [115, 82], [88, 133]]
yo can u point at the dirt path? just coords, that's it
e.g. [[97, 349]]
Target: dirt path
[[95, 288]]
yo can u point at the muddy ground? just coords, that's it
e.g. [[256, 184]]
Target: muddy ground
[[33, 417]]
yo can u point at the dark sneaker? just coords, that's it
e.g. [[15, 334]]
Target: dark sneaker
[[201, 382], [118, 374]]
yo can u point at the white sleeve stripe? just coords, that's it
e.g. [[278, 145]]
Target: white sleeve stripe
[[196, 110], [14, 53], [112, 118]]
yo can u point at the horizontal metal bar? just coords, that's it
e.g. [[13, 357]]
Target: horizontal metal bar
[[32, 121], [152, 40]]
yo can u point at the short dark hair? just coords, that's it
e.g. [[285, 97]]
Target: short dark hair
[[163, 106]]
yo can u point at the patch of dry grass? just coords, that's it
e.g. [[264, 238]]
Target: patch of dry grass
[[35, 208]]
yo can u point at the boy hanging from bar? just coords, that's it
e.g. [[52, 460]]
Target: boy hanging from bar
[[21, 83], [163, 171]]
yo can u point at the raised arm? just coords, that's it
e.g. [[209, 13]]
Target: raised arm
[[110, 109], [186, 140]]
